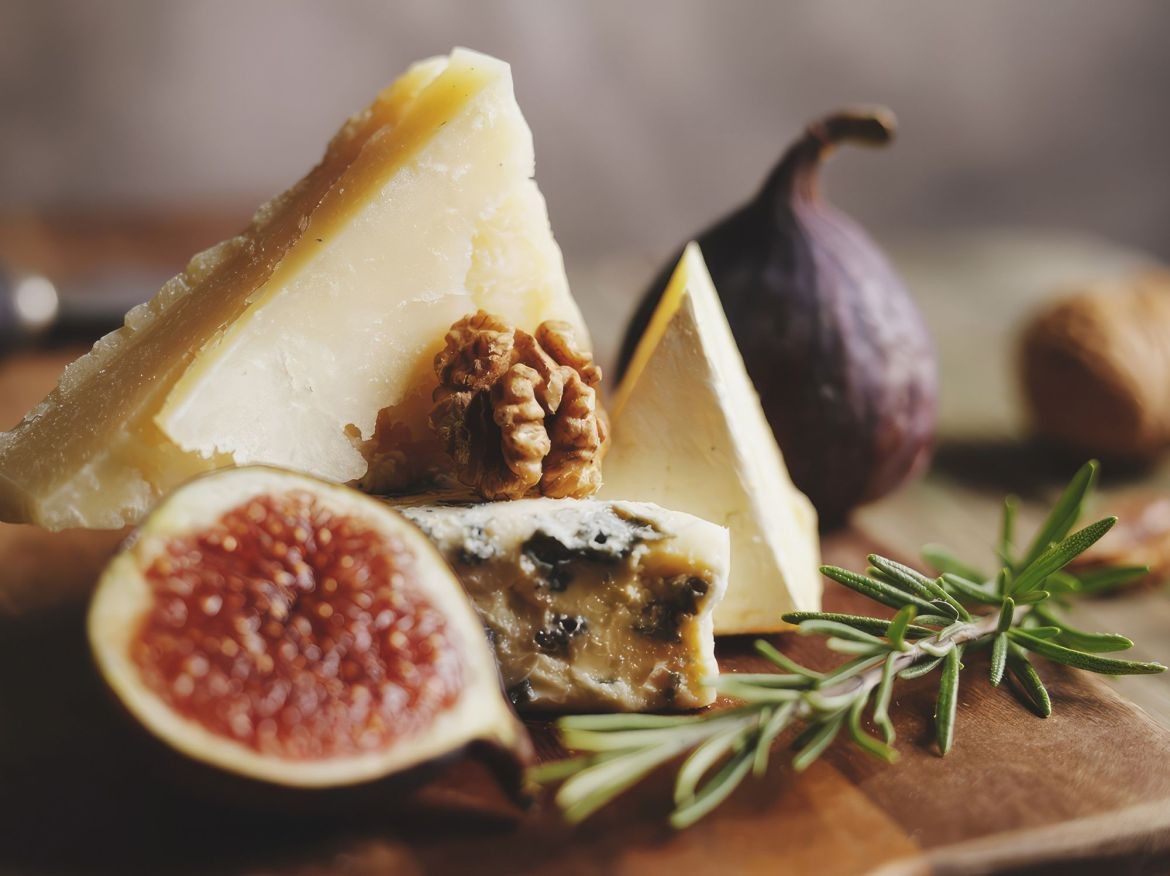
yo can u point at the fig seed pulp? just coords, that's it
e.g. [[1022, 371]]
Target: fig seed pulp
[[295, 631]]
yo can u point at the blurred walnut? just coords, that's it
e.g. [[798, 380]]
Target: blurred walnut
[[1096, 368], [519, 413]]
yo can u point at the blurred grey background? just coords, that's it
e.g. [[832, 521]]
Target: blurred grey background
[[650, 117]]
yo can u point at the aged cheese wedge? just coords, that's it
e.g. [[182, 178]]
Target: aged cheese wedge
[[689, 434], [307, 341], [589, 604]]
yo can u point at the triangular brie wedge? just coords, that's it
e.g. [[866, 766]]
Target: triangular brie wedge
[[307, 340], [690, 435]]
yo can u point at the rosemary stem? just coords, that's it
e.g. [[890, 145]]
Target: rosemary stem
[[978, 628]]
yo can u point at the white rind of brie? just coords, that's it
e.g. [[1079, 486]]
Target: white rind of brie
[[689, 434]]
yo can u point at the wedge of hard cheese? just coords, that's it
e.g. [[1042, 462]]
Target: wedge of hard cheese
[[689, 434], [590, 605], [307, 341]]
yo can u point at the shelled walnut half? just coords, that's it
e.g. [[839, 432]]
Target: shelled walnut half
[[519, 413]]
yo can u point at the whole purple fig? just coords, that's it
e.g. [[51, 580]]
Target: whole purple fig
[[838, 352]]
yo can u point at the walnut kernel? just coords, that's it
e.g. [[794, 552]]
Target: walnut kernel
[[519, 413]]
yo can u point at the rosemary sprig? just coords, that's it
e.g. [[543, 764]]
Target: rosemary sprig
[[1015, 611]]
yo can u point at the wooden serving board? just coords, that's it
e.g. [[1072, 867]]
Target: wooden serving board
[[1086, 789]]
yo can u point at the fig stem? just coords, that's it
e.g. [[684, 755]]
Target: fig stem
[[797, 174]]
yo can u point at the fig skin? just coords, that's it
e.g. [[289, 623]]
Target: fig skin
[[837, 350], [497, 775], [490, 732]]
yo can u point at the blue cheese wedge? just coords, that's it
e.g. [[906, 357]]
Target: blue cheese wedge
[[590, 604], [689, 433]]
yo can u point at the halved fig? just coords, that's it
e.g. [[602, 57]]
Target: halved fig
[[297, 633]]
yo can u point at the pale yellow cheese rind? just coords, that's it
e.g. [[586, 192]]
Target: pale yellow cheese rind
[[306, 341], [689, 434]]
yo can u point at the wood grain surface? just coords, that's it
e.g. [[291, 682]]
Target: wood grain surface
[[1084, 791], [1087, 788], [84, 792]]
